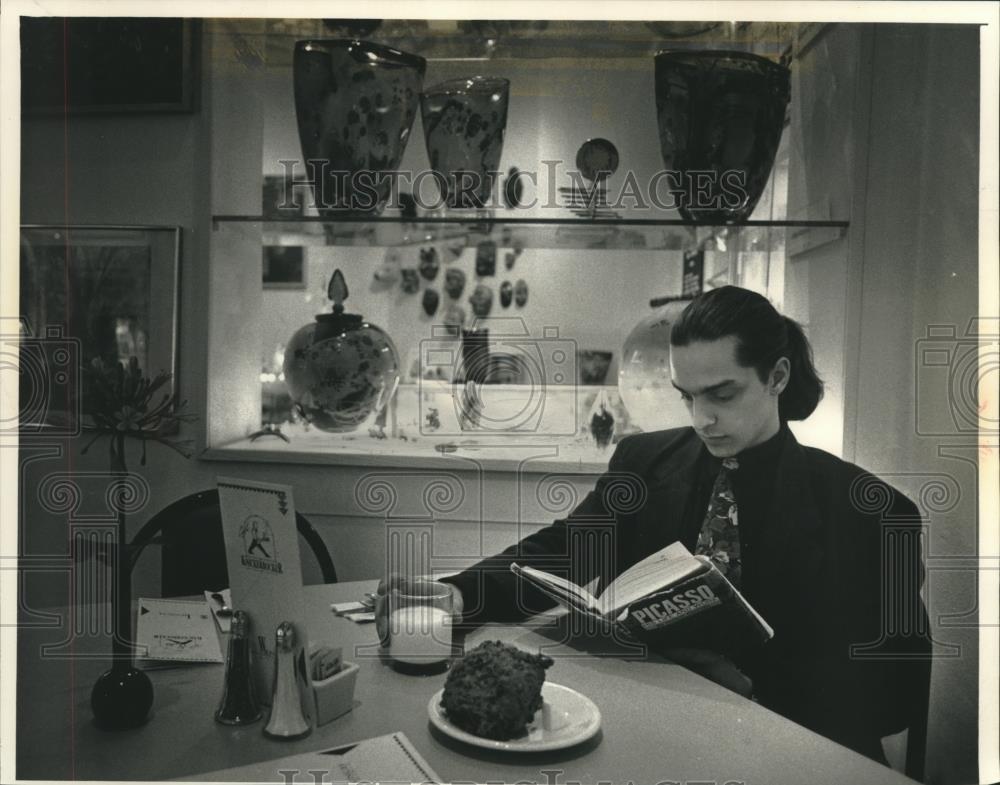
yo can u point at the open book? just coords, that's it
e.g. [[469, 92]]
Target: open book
[[670, 598]]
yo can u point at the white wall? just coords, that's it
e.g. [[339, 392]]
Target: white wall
[[920, 269], [884, 132], [825, 131]]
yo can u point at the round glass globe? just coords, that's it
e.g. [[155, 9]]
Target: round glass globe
[[336, 382], [644, 384]]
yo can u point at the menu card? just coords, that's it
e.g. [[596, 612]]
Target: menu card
[[390, 758], [265, 573]]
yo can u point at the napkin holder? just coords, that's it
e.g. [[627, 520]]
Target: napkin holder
[[334, 695]]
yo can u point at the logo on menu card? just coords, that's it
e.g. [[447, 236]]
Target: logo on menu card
[[260, 551]]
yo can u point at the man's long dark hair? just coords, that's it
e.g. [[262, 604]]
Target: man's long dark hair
[[763, 336]]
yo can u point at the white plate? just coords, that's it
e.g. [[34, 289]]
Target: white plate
[[566, 718]]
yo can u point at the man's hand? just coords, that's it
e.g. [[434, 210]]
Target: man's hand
[[409, 586], [713, 667]]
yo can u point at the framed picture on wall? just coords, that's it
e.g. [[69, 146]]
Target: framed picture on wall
[[108, 292], [95, 65], [284, 267]]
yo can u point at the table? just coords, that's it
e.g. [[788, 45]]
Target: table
[[660, 722]]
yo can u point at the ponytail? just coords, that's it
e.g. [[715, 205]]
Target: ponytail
[[763, 337], [804, 390]]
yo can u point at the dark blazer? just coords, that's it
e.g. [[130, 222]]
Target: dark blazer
[[841, 540]]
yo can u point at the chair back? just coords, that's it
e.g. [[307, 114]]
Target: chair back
[[193, 547]]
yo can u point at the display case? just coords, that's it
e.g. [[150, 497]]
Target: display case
[[595, 258]]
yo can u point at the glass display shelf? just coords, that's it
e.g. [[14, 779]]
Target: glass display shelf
[[619, 234], [524, 455], [531, 428]]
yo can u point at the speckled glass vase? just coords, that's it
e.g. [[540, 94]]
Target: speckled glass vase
[[720, 113], [340, 369], [355, 103], [464, 123]]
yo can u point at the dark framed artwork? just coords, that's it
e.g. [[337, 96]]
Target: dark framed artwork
[[284, 267], [93, 291], [100, 65]]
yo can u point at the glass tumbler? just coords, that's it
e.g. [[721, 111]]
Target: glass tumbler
[[418, 634]]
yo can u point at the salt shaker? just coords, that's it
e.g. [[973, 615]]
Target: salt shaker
[[288, 720], [239, 704]]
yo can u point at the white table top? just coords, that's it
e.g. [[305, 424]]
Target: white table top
[[660, 722]]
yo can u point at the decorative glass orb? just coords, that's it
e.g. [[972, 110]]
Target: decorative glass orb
[[650, 399], [340, 369]]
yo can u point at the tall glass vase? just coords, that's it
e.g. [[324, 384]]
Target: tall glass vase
[[464, 123], [355, 103], [720, 117], [122, 696]]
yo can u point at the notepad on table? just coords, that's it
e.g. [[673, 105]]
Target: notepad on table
[[389, 758]]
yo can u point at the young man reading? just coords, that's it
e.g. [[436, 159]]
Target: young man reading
[[800, 532]]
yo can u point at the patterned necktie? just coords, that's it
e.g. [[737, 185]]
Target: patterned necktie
[[720, 537]]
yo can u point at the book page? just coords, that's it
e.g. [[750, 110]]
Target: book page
[[663, 568], [563, 590]]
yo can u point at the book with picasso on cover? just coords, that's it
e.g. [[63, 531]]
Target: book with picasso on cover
[[669, 599]]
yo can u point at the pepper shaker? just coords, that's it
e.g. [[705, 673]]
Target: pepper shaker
[[239, 705]]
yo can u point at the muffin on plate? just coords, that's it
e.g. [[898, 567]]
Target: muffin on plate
[[494, 690]]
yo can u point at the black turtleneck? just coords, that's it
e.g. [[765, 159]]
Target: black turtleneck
[[753, 487]]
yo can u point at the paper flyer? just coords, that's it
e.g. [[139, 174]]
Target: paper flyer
[[176, 630], [265, 573]]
